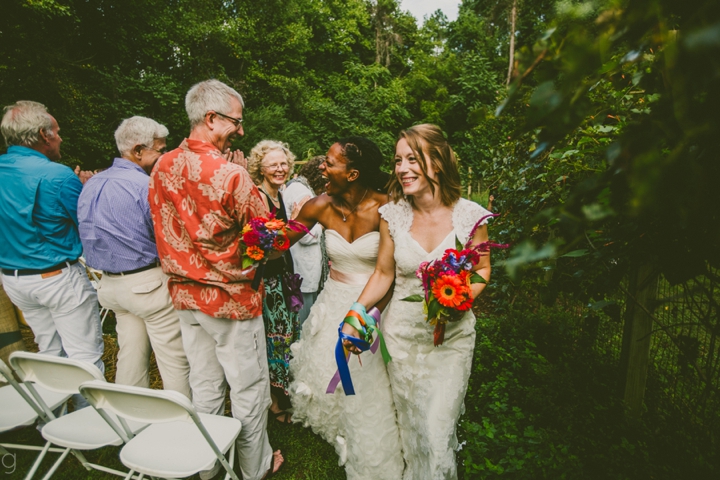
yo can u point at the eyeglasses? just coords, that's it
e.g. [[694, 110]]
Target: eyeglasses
[[277, 166], [161, 152], [235, 121]]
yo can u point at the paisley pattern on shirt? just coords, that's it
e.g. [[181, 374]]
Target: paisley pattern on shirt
[[199, 204]]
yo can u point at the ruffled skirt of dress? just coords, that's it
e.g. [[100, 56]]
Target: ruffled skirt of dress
[[361, 427]]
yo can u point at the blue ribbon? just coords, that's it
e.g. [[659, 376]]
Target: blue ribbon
[[342, 355]]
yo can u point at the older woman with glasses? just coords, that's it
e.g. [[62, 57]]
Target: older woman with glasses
[[269, 165]]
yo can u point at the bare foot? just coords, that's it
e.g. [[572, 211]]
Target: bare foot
[[277, 461]]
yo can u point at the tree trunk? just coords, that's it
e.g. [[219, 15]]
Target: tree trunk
[[513, 17], [635, 355]]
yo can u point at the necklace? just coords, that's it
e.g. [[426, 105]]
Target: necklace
[[354, 208], [274, 199]]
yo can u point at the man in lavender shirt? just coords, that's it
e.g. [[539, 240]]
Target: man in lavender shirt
[[117, 235]]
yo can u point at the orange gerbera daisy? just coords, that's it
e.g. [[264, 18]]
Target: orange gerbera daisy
[[255, 252], [450, 290], [274, 224]]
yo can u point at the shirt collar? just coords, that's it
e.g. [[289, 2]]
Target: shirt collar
[[127, 165], [199, 146], [26, 151]]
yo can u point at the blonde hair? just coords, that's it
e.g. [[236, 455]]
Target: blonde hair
[[428, 138], [259, 151]]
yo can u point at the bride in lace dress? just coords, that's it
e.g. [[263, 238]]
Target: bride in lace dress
[[361, 427], [428, 383]]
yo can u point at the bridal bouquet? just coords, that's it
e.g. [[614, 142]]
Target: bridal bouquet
[[447, 283], [260, 236]]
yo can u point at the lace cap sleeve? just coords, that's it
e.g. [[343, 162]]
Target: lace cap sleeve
[[398, 215], [465, 215]]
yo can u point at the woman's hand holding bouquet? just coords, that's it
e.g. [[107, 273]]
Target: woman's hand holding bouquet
[[260, 237], [447, 283]]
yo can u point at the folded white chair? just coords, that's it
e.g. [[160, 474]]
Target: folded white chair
[[19, 409], [82, 429], [179, 442]]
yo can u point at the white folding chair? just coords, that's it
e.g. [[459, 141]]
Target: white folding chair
[[19, 409], [179, 441], [82, 429]]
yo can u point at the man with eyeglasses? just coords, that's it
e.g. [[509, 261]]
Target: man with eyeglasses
[[118, 238], [200, 200], [39, 237]]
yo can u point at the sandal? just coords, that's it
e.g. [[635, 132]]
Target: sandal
[[286, 419]]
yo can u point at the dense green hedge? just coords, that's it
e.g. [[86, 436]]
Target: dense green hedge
[[544, 402]]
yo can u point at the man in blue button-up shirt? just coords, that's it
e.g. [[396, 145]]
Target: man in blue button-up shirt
[[39, 235], [118, 238]]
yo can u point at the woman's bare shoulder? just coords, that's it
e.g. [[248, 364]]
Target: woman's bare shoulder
[[380, 198]]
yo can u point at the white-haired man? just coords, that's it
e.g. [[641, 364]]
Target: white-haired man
[[39, 237], [117, 235], [200, 202]]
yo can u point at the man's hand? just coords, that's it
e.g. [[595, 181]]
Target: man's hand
[[84, 175], [237, 157]]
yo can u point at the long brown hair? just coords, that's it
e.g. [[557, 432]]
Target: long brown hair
[[428, 138]]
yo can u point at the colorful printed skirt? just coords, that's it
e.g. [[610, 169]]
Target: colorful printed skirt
[[282, 329]]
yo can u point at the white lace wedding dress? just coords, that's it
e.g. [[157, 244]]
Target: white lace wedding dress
[[362, 427], [428, 383]]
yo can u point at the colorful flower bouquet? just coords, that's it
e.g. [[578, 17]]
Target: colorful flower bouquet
[[260, 236], [447, 283]]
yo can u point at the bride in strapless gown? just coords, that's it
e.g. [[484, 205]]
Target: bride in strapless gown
[[362, 426]]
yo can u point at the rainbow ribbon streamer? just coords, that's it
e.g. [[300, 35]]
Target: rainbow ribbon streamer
[[366, 323]]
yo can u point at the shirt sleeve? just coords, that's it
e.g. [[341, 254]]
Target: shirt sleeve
[[70, 189], [144, 200], [246, 197]]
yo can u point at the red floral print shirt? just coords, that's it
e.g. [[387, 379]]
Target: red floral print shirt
[[199, 204]]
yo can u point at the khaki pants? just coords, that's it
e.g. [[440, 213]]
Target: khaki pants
[[146, 318], [62, 311], [221, 352]]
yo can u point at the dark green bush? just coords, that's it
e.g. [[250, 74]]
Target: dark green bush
[[544, 401]]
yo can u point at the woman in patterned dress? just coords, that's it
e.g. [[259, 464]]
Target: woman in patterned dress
[[269, 165]]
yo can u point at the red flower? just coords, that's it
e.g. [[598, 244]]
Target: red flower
[[448, 252], [466, 305], [281, 243], [251, 238]]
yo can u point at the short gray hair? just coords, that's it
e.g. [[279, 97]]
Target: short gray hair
[[258, 152], [206, 96], [138, 131], [23, 121]]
